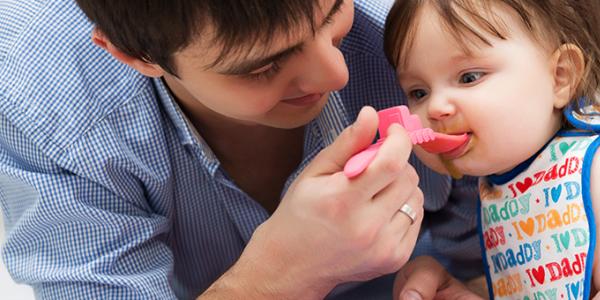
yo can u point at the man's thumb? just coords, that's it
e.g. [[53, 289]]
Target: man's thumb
[[424, 278], [353, 139]]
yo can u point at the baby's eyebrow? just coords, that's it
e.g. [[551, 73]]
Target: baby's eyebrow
[[402, 75], [460, 57]]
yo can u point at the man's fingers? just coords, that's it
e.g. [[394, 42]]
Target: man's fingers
[[425, 279], [403, 188], [419, 279], [394, 151], [397, 203], [409, 215], [455, 290], [406, 230], [389, 163], [352, 140]]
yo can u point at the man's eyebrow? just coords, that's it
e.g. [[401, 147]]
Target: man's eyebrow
[[254, 64], [249, 66]]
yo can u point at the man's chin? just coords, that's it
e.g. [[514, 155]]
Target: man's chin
[[303, 118], [293, 124]]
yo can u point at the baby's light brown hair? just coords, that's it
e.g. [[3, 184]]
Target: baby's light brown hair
[[550, 22]]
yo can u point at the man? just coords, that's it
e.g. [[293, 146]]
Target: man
[[195, 152]]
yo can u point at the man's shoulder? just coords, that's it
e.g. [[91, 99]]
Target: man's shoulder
[[57, 85], [376, 10], [366, 36]]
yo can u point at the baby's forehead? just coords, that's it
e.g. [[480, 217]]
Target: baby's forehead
[[432, 33], [472, 29]]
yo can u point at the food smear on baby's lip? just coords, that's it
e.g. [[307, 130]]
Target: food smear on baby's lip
[[449, 165]]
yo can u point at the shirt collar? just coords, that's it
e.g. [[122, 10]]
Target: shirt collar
[[188, 135], [333, 119], [321, 132]]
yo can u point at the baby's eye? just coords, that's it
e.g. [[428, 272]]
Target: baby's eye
[[417, 94], [471, 77]]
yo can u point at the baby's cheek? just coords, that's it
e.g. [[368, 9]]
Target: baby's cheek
[[432, 161]]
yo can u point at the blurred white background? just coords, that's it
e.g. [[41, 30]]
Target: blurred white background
[[9, 290]]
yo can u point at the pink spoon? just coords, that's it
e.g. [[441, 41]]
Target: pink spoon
[[429, 140]]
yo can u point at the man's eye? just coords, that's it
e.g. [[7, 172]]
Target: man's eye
[[471, 77], [262, 69], [271, 70], [417, 94], [266, 72]]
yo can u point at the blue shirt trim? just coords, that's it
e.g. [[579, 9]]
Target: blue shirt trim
[[569, 112], [486, 266], [587, 202], [499, 179]]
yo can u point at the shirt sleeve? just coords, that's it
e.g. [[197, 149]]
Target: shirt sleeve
[[72, 238]]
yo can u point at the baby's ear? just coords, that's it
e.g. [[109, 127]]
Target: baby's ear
[[568, 65]]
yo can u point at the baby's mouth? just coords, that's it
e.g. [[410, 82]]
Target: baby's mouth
[[446, 143], [459, 150]]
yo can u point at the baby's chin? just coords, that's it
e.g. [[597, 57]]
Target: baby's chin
[[449, 168], [481, 168], [457, 168], [433, 162]]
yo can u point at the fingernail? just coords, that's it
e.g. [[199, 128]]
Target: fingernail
[[411, 295]]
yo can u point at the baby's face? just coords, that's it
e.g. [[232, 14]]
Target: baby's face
[[501, 95]]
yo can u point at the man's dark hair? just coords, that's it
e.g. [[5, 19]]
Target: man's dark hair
[[153, 30]]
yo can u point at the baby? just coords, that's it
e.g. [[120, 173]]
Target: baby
[[521, 78]]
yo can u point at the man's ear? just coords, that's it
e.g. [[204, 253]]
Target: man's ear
[[568, 65], [147, 69]]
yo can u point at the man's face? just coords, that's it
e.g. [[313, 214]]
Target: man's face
[[263, 87]]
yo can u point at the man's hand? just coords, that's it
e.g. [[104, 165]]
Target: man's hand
[[329, 229], [424, 278]]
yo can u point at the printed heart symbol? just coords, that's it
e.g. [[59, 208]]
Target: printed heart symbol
[[575, 289], [527, 227], [539, 274], [564, 147], [555, 192], [525, 185]]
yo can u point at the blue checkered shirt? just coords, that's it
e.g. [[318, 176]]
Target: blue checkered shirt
[[108, 192]]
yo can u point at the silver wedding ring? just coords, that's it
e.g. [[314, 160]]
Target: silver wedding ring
[[409, 212]]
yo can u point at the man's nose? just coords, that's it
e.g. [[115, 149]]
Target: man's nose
[[324, 68]]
